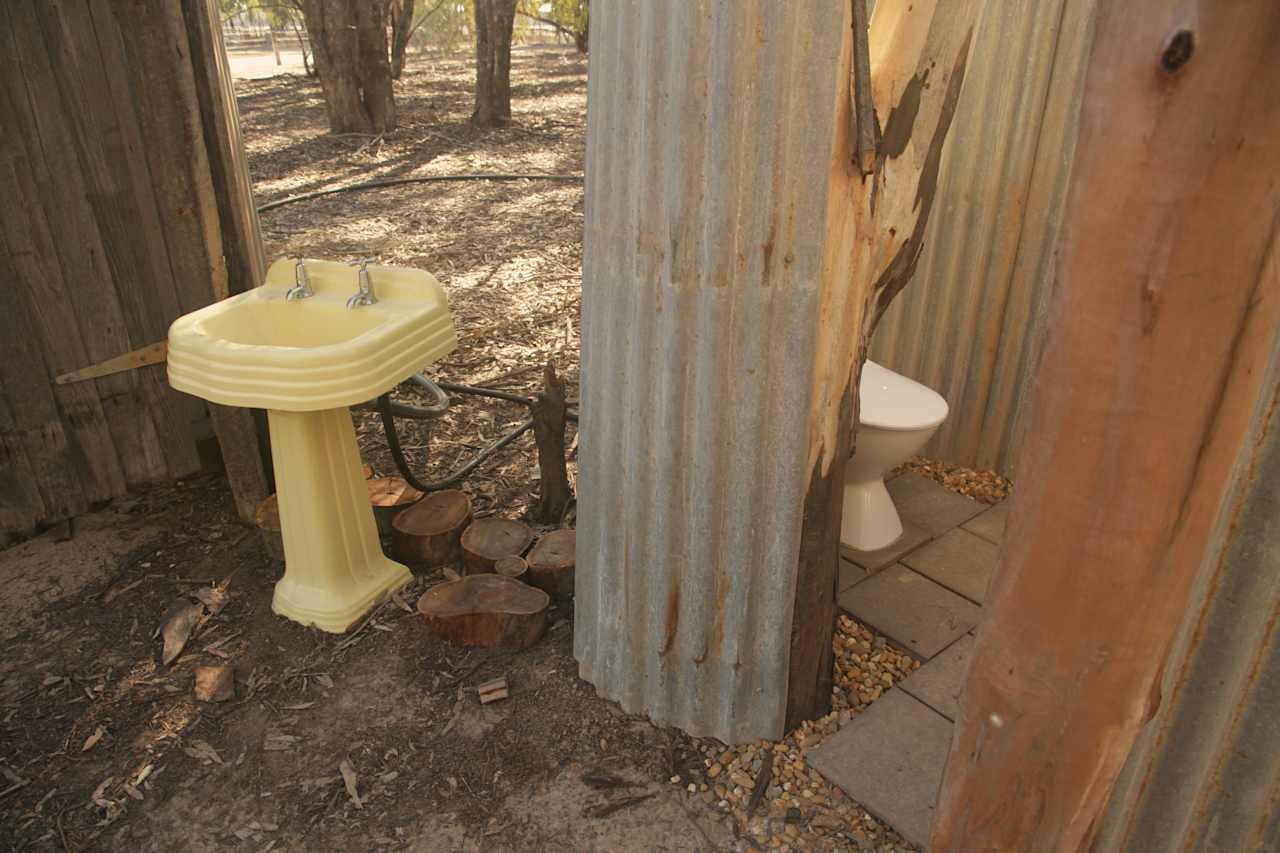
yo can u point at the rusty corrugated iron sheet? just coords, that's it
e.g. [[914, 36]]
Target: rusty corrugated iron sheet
[[969, 324], [700, 296], [1205, 773]]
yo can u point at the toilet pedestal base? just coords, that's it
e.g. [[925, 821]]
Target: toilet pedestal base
[[870, 521], [334, 566]]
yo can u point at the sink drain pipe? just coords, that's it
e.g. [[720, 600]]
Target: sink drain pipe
[[389, 410]]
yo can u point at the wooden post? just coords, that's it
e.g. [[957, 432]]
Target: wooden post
[[549, 410], [874, 234], [245, 452], [1164, 313]]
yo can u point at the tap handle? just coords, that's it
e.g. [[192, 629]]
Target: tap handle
[[361, 262]]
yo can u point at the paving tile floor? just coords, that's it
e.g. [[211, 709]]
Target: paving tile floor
[[890, 759], [924, 594]]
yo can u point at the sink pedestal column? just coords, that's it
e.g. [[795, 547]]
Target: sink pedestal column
[[334, 566]]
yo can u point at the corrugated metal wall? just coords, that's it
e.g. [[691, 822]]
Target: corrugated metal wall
[[970, 322], [707, 162], [1205, 773]]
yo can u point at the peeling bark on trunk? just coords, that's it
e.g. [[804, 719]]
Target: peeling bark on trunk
[[349, 44], [494, 22], [875, 232], [1164, 314]]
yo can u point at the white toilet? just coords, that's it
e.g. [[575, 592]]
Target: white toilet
[[898, 415]]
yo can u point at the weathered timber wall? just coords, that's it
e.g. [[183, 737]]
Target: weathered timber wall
[[110, 227]]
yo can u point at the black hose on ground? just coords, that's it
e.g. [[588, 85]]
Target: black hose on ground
[[416, 179]]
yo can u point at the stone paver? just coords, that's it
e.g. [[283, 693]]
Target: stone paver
[[850, 573], [990, 524], [890, 759], [929, 505], [961, 561], [908, 608], [912, 536], [938, 683]]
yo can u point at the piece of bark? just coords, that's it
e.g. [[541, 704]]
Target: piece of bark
[[486, 610], [215, 683], [548, 413], [488, 540], [267, 518], [551, 563], [511, 567], [429, 533], [367, 470], [390, 495]]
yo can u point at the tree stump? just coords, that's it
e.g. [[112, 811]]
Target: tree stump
[[430, 532], [488, 540], [267, 518], [390, 495], [548, 413], [551, 563], [492, 611], [511, 567]]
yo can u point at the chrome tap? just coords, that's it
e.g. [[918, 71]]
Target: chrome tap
[[302, 283], [364, 296]]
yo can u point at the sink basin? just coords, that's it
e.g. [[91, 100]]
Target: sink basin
[[305, 362], [259, 351]]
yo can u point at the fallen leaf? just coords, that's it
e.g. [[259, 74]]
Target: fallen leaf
[[92, 740], [324, 681], [201, 750], [300, 706], [349, 779], [278, 742], [132, 791], [179, 622]]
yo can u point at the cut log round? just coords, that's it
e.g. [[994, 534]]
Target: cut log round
[[267, 517], [511, 567], [488, 540], [488, 610], [390, 495], [551, 563], [429, 532]]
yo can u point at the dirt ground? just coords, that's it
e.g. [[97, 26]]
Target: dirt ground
[[104, 748]]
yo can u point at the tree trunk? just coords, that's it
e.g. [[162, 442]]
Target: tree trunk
[[875, 232], [1163, 318], [349, 46], [401, 12], [494, 22]]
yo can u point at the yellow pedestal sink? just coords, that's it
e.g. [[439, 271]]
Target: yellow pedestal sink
[[302, 348]]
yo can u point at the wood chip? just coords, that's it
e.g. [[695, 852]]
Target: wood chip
[[215, 683], [492, 691]]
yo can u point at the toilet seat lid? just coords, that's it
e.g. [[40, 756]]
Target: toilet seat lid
[[892, 401]]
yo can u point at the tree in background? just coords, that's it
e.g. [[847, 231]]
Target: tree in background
[[495, 20], [349, 41], [567, 17]]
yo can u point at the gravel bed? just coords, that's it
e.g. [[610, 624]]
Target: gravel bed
[[800, 810]]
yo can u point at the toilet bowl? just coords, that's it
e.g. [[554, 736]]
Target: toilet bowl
[[898, 415]]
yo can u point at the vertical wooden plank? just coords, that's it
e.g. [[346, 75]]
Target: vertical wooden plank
[[33, 430], [76, 243], [109, 148], [1162, 322], [241, 233], [21, 506], [39, 315]]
